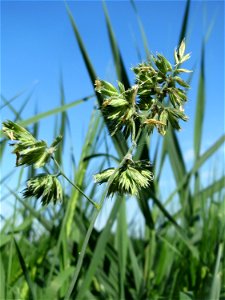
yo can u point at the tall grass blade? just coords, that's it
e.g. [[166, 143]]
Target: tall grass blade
[[25, 271], [216, 281], [99, 251], [10, 107], [142, 31], [96, 155], [185, 22], [45, 223], [11, 99], [62, 125], [202, 159], [145, 209], [137, 271], [54, 111], [67, 223], [208, 153], [211, 189], [122, 240], [118, 139], [52, 291], [2, 279], [173, 137], [81, 169], [118, 61], [200, 105]]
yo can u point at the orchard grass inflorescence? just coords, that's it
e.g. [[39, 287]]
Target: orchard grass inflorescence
[[155, 101]]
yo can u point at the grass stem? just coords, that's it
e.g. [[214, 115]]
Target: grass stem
[[75, 186], [96, 213]]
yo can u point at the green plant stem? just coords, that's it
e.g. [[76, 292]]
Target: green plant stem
[[74, 185], [96, 213]]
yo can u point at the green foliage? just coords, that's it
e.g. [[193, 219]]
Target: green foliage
[[58, 254]]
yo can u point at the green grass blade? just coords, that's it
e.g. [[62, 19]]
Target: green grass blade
[[2, 279], [108, 284], [200, 105], [99, 251], [142, 31], [216, 281], [137, 271], [208, 153], [175, 155], [68, 220], [62, 128], [202, 159], [25, 271], [173, 137], [183, 296], [57, 283], [144, 207], [54, 111], [165, 212], [7, 176], [92, 134], [96, 155], [170, 245], [91, 71], [136, 46], [17, 112], [10, 107], [46, 224], [171, 145], [122, 245], [11, 99], [210, 190], [118, 139], [118, 61], [4, 239], [185, 22]]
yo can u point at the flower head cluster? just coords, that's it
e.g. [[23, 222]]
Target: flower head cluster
[[28, 150], [130, 178], [44, 186], [119, 106], [156, 99]]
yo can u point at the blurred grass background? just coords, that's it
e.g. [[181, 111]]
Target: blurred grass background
[[174, 249]]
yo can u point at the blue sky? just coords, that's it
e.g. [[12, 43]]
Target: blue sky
[[37, 43]]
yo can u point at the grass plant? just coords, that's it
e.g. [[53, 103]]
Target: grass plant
[[49, 252]]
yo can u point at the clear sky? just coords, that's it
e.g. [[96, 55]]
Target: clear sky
[[37, 43]]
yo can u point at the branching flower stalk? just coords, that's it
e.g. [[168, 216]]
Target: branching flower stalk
[[125, 114], [155, 101], [74, 185]]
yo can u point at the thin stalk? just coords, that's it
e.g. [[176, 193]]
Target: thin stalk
[[74, 185], [96, 213]]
